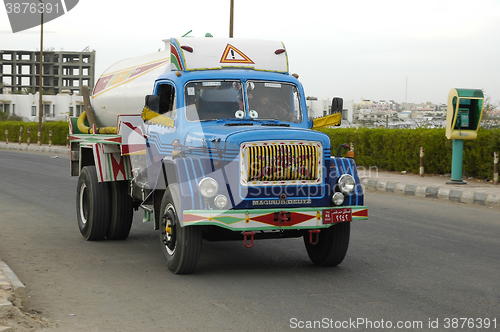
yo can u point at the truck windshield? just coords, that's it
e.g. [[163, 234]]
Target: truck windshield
[[213, 100], [273, 100]]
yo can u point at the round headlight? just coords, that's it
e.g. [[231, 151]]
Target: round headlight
[[208, 187], [346, 183], [220, 201], [338, 198]]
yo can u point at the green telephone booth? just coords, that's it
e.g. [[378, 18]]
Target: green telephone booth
[[465, 109], [464, 113]]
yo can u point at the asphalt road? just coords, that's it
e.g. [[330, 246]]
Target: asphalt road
[[415, 262]]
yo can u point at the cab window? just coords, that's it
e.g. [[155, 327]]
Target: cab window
[[166, 92], [274, 101], [213, 100]]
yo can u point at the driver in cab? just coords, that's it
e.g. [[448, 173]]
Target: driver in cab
[[269, 106]]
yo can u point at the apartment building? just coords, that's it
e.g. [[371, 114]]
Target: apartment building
[[63, 70]]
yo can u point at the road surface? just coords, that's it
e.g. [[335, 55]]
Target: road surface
[[416, 263]]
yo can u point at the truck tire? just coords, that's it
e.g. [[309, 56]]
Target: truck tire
[[92, 205], [332, 245], [181, 246], [121, 213]]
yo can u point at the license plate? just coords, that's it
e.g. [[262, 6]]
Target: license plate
[[337, 215]]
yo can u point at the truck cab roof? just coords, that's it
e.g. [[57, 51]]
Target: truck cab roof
[[235, 97]]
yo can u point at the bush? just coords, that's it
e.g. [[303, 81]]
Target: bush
[[60, 130], [387, 149], [399, 149]]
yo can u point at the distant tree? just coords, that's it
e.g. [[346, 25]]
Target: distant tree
[[15, 117], [488, 107], [3, 116], [29, 91]]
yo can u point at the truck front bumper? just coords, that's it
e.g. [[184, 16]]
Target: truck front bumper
[[275, 219]]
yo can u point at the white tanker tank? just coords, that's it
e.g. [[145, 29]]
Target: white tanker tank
[[122, 87]]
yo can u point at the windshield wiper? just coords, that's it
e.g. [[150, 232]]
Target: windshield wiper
[[264, 119], [238, 124], [274, 124]]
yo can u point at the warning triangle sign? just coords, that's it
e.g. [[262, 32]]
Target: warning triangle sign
[[233, 55]]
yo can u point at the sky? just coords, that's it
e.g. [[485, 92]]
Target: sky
[[407, 51]]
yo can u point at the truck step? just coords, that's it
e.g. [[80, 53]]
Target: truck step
[[148, 212]]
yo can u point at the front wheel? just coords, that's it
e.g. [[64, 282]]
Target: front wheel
[[181, 246], [332, 245], [92, 205]]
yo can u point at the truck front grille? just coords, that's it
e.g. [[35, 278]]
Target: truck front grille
[[265, 163]]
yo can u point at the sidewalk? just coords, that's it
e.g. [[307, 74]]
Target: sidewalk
[[33, 147], [433, 186], [12, 297]]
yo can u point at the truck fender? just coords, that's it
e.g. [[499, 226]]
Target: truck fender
[[340, 166]]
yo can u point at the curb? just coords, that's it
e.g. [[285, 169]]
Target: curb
[[9, 278], [453, 195], [35, 148]]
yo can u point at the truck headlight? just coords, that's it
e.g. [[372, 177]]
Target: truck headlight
[[220, 201], [337, 198], [346, 183], [208, 187]]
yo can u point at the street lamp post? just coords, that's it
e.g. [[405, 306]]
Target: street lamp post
[[40, 90]]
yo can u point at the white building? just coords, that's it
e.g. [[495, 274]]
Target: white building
[[383, 105], [404, 115], [374, 115], [55, 107]]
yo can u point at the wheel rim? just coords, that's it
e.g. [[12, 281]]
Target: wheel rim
[[169, 229], [84, 204]]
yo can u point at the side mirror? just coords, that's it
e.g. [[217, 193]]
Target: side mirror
[[152, 102], [337, 105]]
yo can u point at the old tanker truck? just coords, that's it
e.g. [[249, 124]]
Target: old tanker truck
[[211, 139]]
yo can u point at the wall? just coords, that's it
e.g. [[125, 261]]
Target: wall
[[58, 106]]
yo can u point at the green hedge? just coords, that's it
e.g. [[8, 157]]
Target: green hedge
[[387, 149], [60, 130], [399, 149]]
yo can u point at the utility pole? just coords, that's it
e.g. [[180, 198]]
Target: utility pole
[[40, 89], [231, 18]]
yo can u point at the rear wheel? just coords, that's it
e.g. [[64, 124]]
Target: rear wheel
[[181, 246], [121, 213], [92, 205], [332, 245]]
